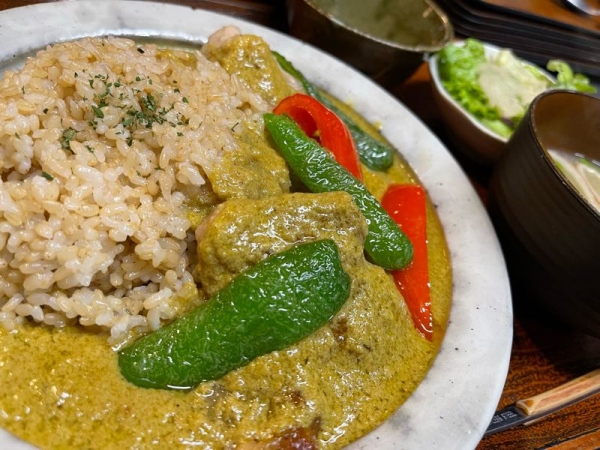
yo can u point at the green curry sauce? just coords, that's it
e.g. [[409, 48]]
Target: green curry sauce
[[63, 388]]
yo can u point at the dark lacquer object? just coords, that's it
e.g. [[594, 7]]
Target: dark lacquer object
[[385, 40], [550, 234]]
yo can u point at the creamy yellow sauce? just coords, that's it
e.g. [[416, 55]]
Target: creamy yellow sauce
[[62, 388], [66, 390]]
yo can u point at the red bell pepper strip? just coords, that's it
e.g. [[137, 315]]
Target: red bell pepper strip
[[406, 204], [325, 126]]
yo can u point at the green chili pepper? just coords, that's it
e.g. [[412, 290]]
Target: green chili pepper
[[269, 307], [385, 243], [372, 153], [289, 68]]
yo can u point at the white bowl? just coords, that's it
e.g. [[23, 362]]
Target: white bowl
[[472, 137]]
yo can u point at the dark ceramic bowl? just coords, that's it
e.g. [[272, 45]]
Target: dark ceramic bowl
[[386, 40], [549, 233]]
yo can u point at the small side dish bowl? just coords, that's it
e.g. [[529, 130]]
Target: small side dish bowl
[[476, 140], [386, 40], [549, 232], [479, 143]]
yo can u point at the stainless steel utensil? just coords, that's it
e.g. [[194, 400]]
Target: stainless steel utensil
[[590, 7]]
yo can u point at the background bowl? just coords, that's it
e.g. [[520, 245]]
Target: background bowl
[[549, 233], [478, 142], [386, 40]]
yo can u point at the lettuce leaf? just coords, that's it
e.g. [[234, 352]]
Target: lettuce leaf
[[457, 67], [566, 79]]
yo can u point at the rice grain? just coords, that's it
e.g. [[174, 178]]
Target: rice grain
[[100, 148]]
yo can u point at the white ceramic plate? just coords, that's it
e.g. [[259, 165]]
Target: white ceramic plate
[[454, 404]]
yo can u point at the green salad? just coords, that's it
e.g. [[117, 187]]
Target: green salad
[[497, 90]]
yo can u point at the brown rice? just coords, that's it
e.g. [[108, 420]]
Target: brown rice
[[101, 142]]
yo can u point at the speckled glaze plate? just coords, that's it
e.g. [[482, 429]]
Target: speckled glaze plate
[[452, 407]]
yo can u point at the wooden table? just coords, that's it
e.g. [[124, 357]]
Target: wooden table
[[545, 352]]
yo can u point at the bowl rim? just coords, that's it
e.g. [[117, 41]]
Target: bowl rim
[[547, 158], [445, 20], [490, 50]]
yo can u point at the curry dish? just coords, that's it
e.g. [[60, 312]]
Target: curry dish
[[63, 387]]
